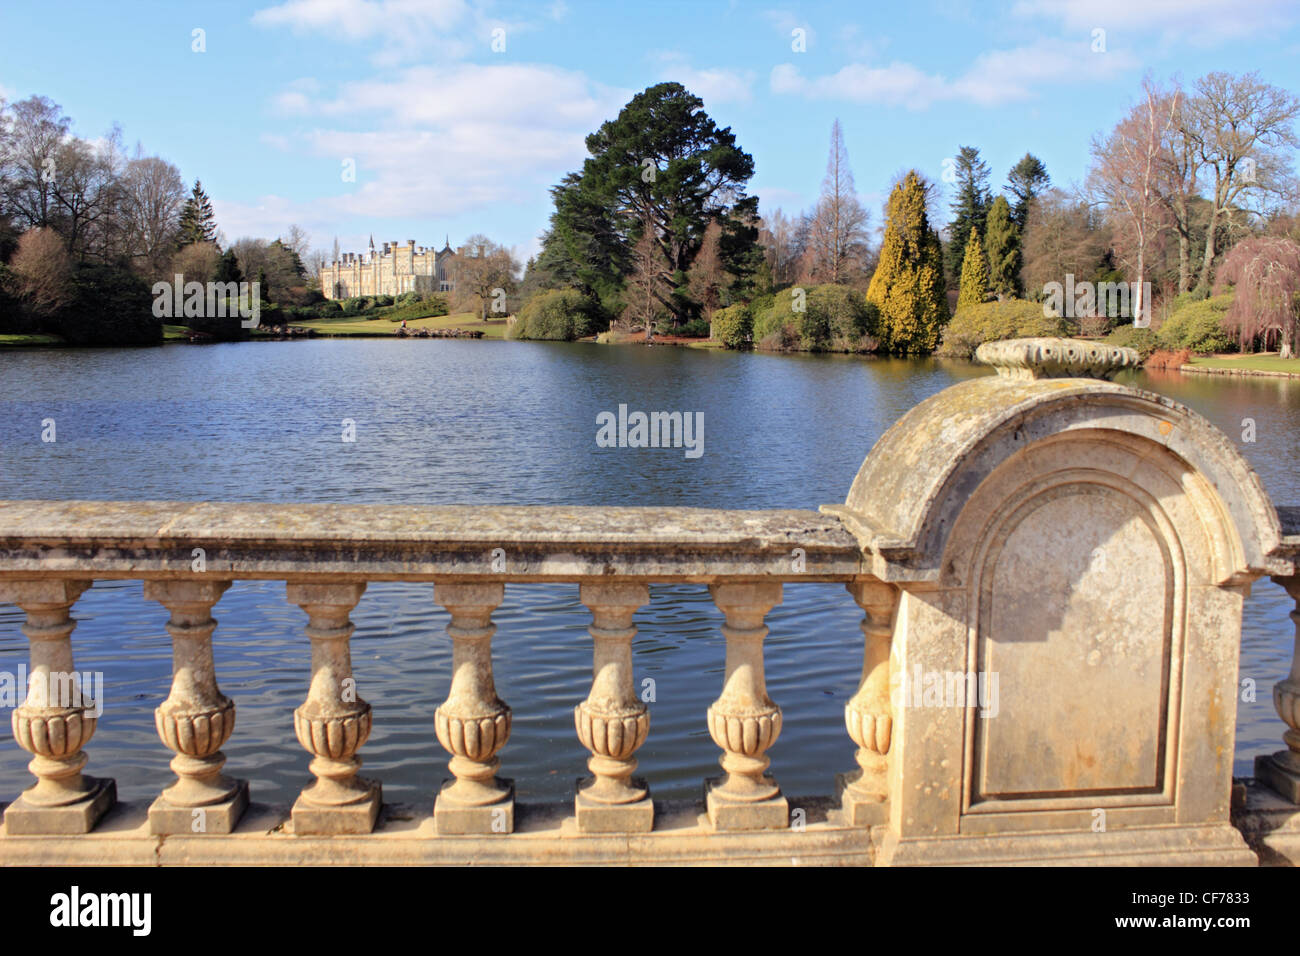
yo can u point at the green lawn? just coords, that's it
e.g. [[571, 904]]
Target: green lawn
[[33, 339], [1261, 363], [352, 325]]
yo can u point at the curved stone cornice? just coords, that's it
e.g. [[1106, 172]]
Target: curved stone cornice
[[1020, 359], [922, 471]]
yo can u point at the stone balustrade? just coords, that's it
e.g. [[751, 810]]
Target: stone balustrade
[[1081, 544]]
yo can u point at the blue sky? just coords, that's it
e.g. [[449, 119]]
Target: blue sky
[[451, 137]]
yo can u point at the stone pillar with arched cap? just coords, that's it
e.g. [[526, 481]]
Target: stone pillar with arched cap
[[1071, 556]]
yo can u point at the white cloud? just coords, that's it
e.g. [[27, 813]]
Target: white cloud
[[996, 77], [786, 22], [480, 137], [713, 85], [402, 29], [1206, 22]]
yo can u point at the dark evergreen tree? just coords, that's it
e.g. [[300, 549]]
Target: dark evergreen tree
[[198, 224], [663, 158], [1002, 244], [1026, 180], [970, 208], [228, 268]]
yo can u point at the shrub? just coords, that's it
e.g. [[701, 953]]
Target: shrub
[[555, 314], [1198, 326], [1166, 358], [694, 329], [1130, 336], [111, 306], [734, 327], [974, 325]]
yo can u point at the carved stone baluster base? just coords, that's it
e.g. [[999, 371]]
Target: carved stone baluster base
[[864, 793], [55, 721], [196, 719], [612, 722], [744, 721], [473, 723], [334, 721], [1280, 771]]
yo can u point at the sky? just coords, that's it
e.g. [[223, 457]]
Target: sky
[[455, 117]]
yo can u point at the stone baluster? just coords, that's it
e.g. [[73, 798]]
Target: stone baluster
[[334, 721], [473, 723], [1281, 771], [196, 719], [869, 712], [744, 721], [56, 720], [613, 722]]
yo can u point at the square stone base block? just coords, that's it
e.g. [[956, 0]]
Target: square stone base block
[[725, 814], [593, 817], [854, 811], [455, 819], [359, 817], [1277, 778], [167, 818], [25, 819]]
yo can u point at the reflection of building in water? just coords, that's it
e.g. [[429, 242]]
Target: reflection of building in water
[[394, 270]]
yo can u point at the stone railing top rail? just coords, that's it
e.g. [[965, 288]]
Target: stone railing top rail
[[376, 542], [1056, 358]]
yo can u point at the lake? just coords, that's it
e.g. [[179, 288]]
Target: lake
[[445, 422]]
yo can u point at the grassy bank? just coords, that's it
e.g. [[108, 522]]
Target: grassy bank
[[355, 326], [25, 340], [1251, 363]]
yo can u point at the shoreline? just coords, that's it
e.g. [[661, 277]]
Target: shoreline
[[1218, 370]]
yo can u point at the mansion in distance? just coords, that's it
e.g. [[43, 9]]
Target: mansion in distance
[[393, 270]]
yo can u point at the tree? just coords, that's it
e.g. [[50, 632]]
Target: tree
[[1002, 242], [1025, 181], [37, 133], [838, 234], [969, 208], [152, 196], [484, 275], [197, 262], [1265, 271], [1242, 130], [228, 268], [664, 158], [1125, 179], [42, 271], [649, 285], [780, 250], [908, 287], [1177, 170], [197, 222], [1063, 236], [709, 281], [974, 274]]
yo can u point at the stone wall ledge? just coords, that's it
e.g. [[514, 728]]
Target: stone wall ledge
[[149, 540], [405, 836]]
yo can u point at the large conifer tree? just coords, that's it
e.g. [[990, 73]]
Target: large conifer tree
[[198, 224], [1002, 243], [970, 207], [908, 286]]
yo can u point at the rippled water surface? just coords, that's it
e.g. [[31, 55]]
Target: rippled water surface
[[441, 422]]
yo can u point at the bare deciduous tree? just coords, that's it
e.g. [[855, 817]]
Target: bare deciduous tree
[[42, 270], [837, 238], [483, 276], [1242, 131], [1125, 178]]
